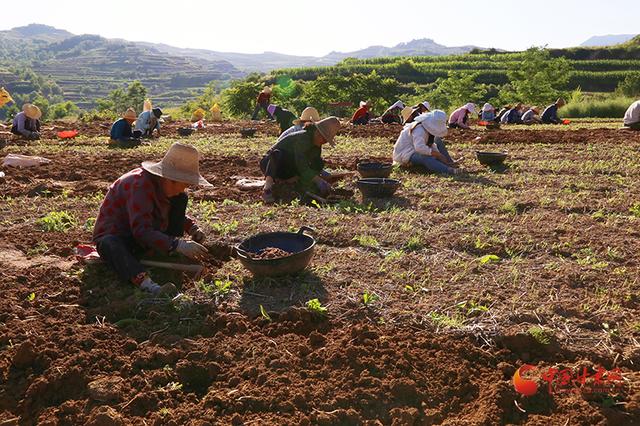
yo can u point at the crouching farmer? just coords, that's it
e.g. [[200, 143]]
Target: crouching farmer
[[298, 158], [144, 210], [122, 131], [420, 144], [632, 116], [27, 123]]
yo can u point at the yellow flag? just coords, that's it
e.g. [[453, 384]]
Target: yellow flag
[[5, 97]]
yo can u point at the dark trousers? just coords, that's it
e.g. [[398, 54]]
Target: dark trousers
[[257, 109], [276, 166], [121, 253], [362, 120], [633, 126], [126, 142]]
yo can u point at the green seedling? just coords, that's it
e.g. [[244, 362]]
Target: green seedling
[[40, 248], [414, 243], [366, 240], [369, 298], [442, 320], [540, 334], [471, 308], [221, 287], [488, 259], [264, 313], [635, 209], [225, 228], [57, 221], [315, 306]]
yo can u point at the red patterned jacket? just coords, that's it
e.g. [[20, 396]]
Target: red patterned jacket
[[135, 206]]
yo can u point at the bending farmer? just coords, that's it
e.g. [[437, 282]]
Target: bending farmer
[[632, 116], [298, 158], [27, 123], [144, 210], [122, 130], [420, 144], [148, 121]]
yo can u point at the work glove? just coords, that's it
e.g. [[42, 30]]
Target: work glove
[[196, 234], [191, 249]]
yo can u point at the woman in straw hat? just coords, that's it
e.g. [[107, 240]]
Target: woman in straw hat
[[262, 102], [550, 113], [122, 130], [309, 115], [420, 144], [298, 158], [144, 211], [410, 113], [27, 123]]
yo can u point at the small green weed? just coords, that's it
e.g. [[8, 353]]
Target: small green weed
[[57, 221], [366, 240], [223, 228], [442, 320], [540, 334], [315, 306], [264, 313], [489, 258], [369, 298]]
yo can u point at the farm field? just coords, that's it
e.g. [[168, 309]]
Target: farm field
[[433, 298]]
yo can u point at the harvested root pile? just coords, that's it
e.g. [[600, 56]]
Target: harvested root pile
[[270, 253]]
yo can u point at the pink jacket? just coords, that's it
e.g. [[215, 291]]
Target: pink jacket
[[457, 117]]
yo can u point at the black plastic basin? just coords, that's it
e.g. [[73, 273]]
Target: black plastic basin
[[299, 244], [374, 170], [491, 158], [378, 187]]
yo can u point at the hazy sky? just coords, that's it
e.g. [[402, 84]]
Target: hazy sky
[[318, 27]]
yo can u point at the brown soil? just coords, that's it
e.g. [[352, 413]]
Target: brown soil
[[270, 253], [78, 347]]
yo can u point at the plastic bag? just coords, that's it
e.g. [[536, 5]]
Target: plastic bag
[[17, 160]]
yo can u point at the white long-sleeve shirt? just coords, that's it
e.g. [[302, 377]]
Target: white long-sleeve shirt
[[410, 142], [633, 114]]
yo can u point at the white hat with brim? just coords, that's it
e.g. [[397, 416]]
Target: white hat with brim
[[180, 163], [309, 114], [267, 89], [397, 104], [363, 103], [487, 107], [32, 111], [470, 107], [427, 105], [435, 122], [130, 114]]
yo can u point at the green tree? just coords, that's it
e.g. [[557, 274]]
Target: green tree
[[630, 86], [63, 109], [120, 100], [239, 99], [456, 90], [537, 78]]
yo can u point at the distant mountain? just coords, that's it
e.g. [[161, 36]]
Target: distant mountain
[[607, 40], [88, 67], [267, 61]]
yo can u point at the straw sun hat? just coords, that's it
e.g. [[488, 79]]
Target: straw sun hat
[[130, 114], [180, 163], [32, 111], [309, 114], [328, 128]]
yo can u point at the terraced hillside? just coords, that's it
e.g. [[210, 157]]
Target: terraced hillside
[[88, 67]]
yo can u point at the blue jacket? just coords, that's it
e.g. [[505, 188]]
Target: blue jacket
[[121, 130], [550, 115]]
